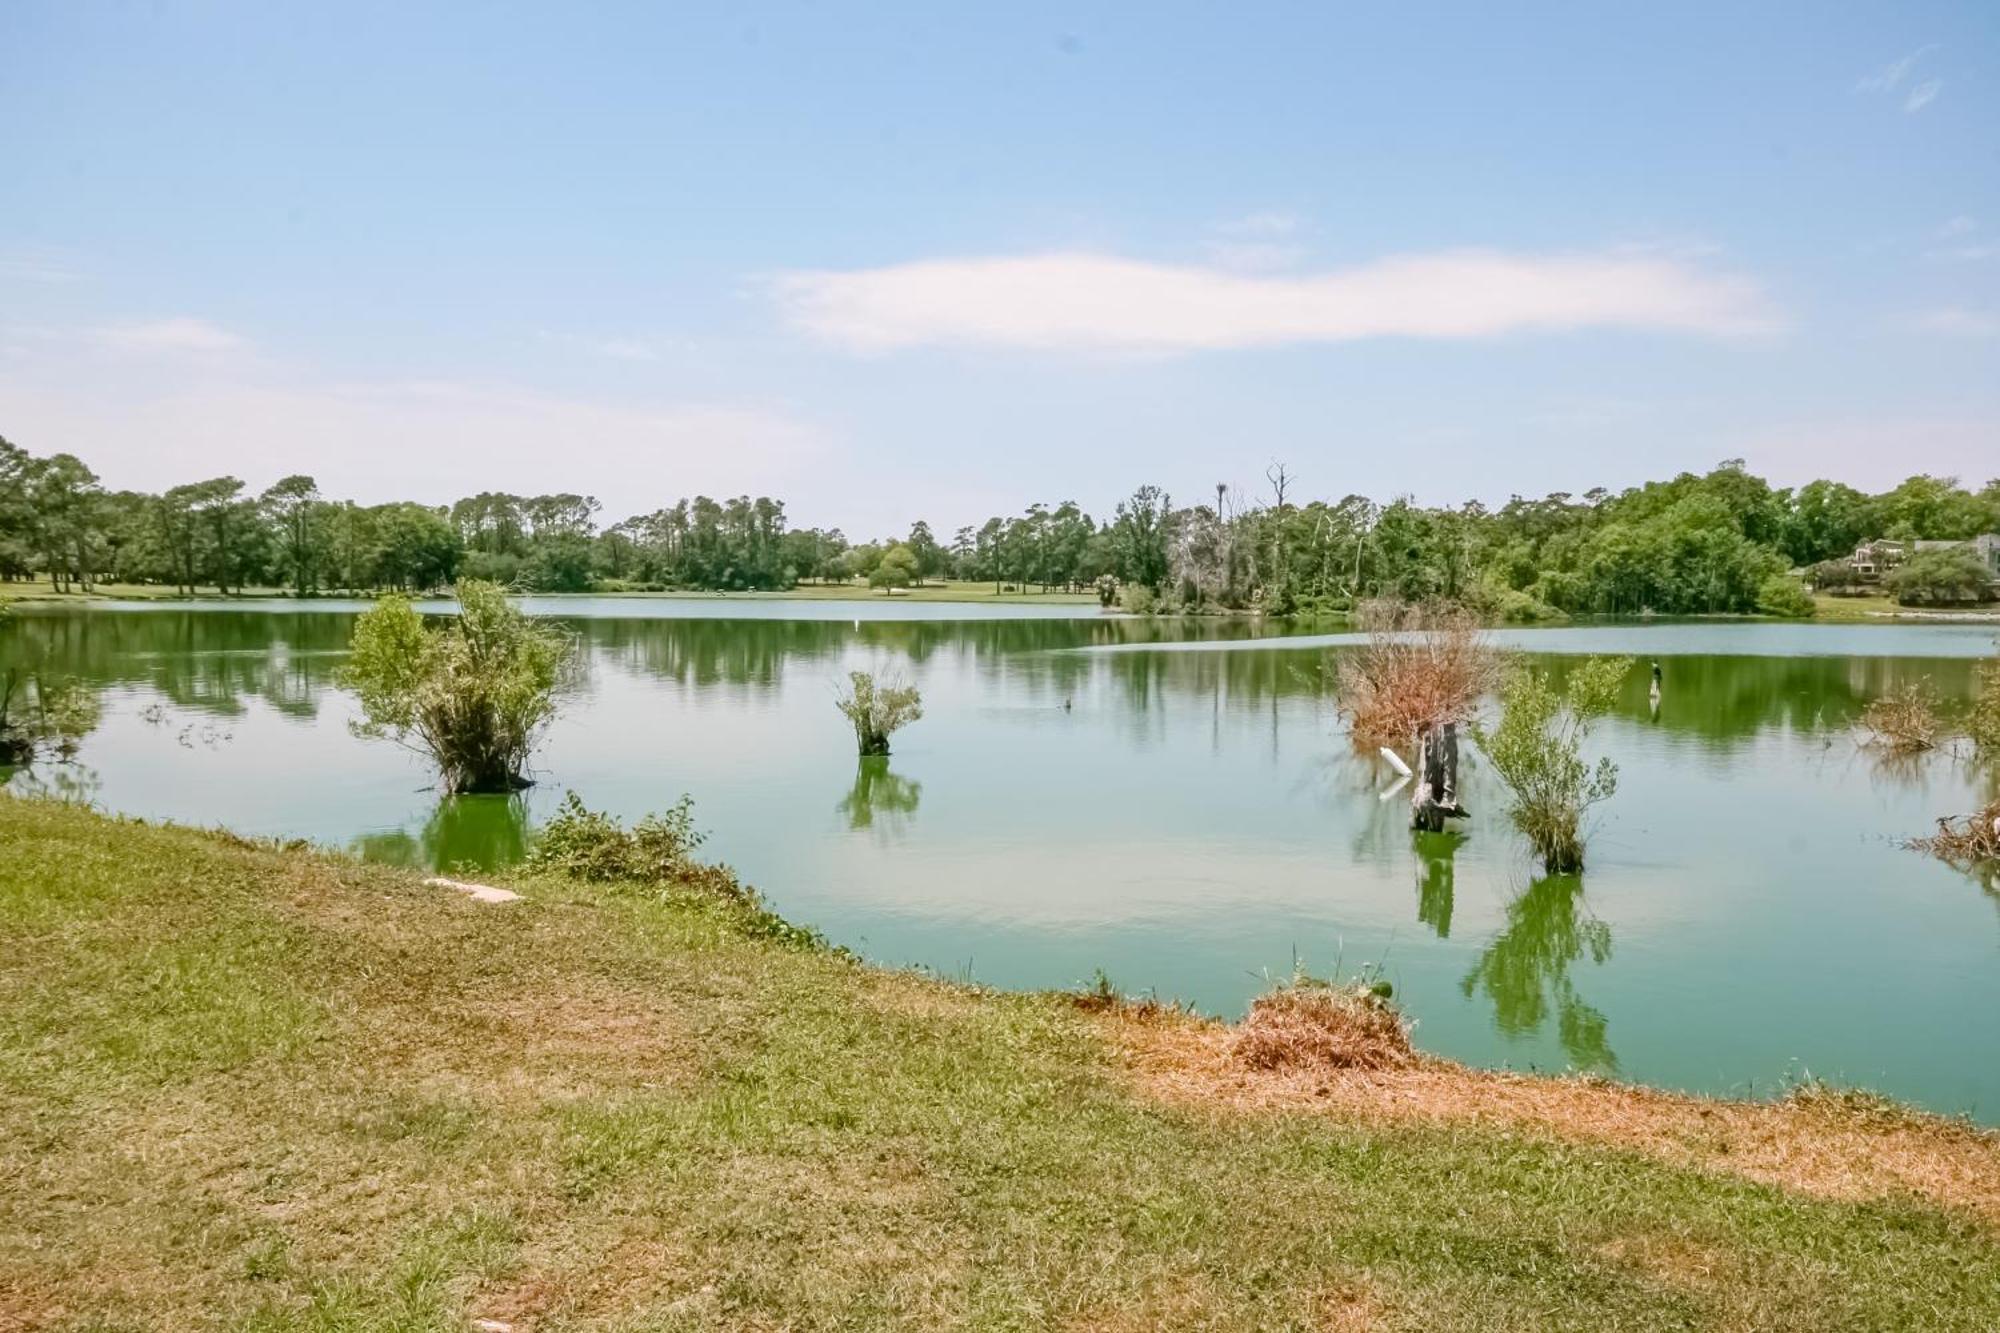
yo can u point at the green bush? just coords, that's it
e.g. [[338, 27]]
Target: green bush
[[1783, 595], [876, 710], [472, 694], [657, 855], [1933, 578], [1537, 751]]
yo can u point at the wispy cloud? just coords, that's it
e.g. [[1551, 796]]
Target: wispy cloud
[[1084, 301], [1890, 77], [1923, 95], [181, 334], [34, 268], [1957, 322], [1968, 243]]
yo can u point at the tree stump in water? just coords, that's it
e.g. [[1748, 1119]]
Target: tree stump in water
[[1435, 797]]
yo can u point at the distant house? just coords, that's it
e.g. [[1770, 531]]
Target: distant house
[[1986, 546], [1871, 560]]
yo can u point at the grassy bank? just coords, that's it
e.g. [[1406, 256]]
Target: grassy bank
[[250, 1088]]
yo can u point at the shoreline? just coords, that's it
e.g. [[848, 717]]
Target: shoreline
[[640, 1105]]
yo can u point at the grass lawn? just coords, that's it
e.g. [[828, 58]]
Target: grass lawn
[[257, 1089], [937, 591]]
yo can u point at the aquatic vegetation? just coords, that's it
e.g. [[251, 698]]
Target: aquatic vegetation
[[1423, 666], [878, 708], [473, 694], [1904, 720], [1970, 842], [1309, 1023], [1537, 749]]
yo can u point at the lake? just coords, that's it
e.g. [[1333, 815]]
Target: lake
[[1177, 807]]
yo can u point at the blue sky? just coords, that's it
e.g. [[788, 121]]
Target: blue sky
[[891, 262]]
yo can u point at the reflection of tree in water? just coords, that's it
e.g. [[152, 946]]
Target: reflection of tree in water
[[1525, 970], [207, 661], [1436, 877], [462, 832], [1737, 697], [78, 784], [880, 795]]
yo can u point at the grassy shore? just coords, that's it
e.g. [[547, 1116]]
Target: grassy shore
[[244, 1087], [41, 590]]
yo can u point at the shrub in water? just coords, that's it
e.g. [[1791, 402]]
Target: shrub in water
[[876, 710], [473, 694], [1422, 667], [1537, 751], [1904, 720]]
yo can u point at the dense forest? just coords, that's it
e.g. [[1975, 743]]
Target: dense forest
[[1723, 541]]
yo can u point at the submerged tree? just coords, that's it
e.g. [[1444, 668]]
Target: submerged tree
[[1418, 677], [1537, 751], [876, 710], [473, 694]]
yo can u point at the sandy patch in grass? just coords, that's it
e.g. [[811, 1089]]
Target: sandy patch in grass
[[1823, 1144]]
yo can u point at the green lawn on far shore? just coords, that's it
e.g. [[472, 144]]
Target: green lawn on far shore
[[263, 1089]]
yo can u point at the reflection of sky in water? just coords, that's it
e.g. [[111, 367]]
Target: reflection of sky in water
[[1190, 821]]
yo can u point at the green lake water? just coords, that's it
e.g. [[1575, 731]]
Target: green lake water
[[1178, 807]]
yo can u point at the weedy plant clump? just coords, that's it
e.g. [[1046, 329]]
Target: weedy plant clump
[[473, 694], [1904, 720], [1421, 667], [1970, 842], [655, 855], [878, 708], [40, 716], [1537, 749], [1310, 1023]]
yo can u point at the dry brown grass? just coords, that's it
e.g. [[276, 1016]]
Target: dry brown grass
[[1904, 720], [1831, 1145], [1422, 666], [1965, 841], [1311, 1025]]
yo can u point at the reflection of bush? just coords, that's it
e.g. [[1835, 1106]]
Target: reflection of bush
[[1525, 970], [1436, 878], [878, 793], [462, 832]]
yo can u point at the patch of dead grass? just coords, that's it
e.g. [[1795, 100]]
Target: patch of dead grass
[[1308, 1026], [1826, 1145]]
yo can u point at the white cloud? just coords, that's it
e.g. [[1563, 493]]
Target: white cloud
[[1886, 79], [1923, 95], [167, 335], [1957, 322], [1104, 302], [1958, 226]]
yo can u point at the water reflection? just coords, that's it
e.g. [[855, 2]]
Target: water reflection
[[1525, 970], [880, 800], [1436, 874], [463, 833]]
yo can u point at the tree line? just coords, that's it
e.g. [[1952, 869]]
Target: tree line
[[1722, 541]]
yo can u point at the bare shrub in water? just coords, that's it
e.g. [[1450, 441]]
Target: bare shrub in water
[[1904, 720], [39, 715], [1537, 749], [474, 694], [1422, 667], [878, 708], [1313, 1024], [1970, 842]]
